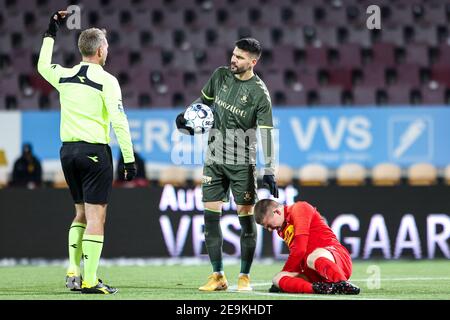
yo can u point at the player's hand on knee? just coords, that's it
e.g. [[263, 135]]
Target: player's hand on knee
[[269, 181], [56, 20], [130, 171], [181, 125]]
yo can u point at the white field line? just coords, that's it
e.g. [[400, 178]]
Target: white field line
[[258, 284], [303, 296], [346, 297]]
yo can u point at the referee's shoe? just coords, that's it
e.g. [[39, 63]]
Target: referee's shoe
[[99, 288]]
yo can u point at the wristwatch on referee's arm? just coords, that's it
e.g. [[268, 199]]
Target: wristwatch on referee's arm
[[56, 20]]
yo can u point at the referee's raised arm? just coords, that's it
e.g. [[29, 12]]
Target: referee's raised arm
[[91, 101]]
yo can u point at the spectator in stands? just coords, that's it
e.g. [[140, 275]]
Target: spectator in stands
[[140, 180], [27, 170]]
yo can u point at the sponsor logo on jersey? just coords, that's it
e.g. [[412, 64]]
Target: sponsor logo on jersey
[[230, 108], [288, 234]]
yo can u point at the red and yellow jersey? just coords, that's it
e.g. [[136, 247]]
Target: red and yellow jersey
[[306, 220], [304, 230]]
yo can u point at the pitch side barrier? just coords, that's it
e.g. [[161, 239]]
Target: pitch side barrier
[[372, 222]]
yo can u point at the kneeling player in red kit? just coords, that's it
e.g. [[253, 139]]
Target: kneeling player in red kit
[[318, 262]]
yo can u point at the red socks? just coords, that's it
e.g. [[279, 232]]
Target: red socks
[[329, 270], [295, 285]]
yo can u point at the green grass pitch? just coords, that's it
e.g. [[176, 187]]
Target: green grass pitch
[[398, 280]]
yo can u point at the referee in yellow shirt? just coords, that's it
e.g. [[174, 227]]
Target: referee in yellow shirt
[[90, 100]]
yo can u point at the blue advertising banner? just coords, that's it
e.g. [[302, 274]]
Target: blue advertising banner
[[329, 136]]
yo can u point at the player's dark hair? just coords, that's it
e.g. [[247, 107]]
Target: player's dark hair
[[250, 45], [261, 209]]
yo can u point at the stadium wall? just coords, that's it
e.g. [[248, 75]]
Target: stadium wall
[[372, 222]]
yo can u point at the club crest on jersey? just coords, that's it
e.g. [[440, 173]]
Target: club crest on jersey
[[288, 235], [244, 98], [224, 88]]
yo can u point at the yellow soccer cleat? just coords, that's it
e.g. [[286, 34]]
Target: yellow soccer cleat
[[99, 288], [216, 282], [244, 283]]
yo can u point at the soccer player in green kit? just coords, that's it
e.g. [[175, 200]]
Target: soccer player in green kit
[[241, 103], [90, 101]]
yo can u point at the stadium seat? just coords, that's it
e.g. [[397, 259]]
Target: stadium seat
[[197, 176], [307, 77], [350, 55], [433, 94], [293, 36], [386, 174], [351, 174], [364, 95], [393, 35], [174, 175], [441, 74], [426, 34], [383, 53], [436, 14], [374, 75], [399, 94], [417, 54], [330, 96], [447, 174], [325, 36], [313, 175], [302, 15], [316, 56], [341, 77], [408, 74], [3, 169], [296, 98], [59, 181], [422, 174], [284, 175]]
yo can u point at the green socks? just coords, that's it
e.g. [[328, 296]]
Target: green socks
[[76, 232], [214, 239], [92, 249], [248, 242]]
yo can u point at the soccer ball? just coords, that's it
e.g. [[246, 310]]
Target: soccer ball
[[199, 117]]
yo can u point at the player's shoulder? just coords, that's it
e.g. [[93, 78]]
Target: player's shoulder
[[259, 88], [109, 78], [302, 206], [259, 83], [222, 71]]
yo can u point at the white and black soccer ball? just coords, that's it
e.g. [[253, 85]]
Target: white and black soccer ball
[[199, 117]]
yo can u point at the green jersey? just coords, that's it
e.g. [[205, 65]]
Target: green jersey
[[91, 100], [240, 107]]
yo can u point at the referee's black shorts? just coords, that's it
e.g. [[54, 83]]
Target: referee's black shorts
[[88, 170]]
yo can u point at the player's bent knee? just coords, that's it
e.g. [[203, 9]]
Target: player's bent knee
[[276, 279], [244, 210], [213, 206], [316, 254]]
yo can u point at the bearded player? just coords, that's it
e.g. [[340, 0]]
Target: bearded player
[[317, 262], [241, 103]]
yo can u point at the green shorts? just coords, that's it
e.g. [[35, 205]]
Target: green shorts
[[218, 179]]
